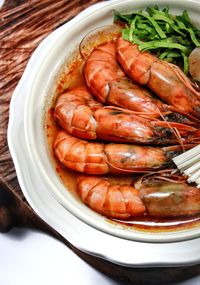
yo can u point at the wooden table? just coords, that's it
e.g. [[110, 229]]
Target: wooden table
[[23, 26]]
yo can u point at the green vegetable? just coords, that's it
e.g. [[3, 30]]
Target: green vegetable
[[171, 37]]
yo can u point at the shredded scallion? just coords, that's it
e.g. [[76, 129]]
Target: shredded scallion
[[170, 37]]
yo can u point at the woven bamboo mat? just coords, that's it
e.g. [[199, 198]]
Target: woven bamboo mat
[[23, 25]]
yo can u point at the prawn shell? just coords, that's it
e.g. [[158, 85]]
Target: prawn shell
[[135, 158], [114, 125], [165, 199], [79, 155], [123, 92], [166, 82], [114, 201], [74, 112], [136, 64], [98, 72]]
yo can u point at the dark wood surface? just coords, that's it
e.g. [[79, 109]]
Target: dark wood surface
[[23, 25]]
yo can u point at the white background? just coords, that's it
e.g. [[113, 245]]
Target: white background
[[29, 257]]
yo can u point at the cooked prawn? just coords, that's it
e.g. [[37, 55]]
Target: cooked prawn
[[165, 79], [99, 158], [80, 115], [153, 197]]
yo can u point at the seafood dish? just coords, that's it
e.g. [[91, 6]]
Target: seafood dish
[[122, 111]]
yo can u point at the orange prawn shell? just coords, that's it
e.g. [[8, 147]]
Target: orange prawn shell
[[80, 155], [115, 201], [74, 112], [100, 69]]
